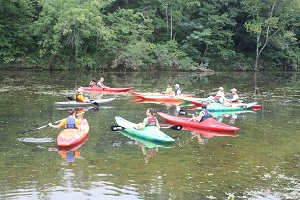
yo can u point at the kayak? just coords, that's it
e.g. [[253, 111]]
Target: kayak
[[70, 137], [73, 147], [146, 143], [162, 98], [208, 124], [211, 134], [196, 101], [149, 132], [98, 89], [221, 113], [214, 107], [155, 94], [84, 104], [208, 101], [139, 101]]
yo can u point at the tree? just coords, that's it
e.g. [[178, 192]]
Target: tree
[[15, 19], [70, 29], [271, 20]]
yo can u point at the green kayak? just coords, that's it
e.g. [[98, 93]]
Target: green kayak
[[149, 132], [146, 143]]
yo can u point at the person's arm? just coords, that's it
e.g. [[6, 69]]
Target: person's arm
[[157, 124], [142, 125], [199, 117], [61, 124]]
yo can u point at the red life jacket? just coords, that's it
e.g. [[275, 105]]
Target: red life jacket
[[151, 121]]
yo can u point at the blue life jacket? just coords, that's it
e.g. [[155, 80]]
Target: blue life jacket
[[177, 92], [205, 116], [71, 123]]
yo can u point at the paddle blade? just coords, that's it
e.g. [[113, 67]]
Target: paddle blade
[[176, 127], [182, 112], [70, 98], [117, 128], [95, 103]]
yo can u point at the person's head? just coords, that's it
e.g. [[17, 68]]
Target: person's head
[[151, 111], [204, 106], [221, 88], [80, 90], [169, 85], [233, 90], [71, 111], [177, 86], [101, 79], [93, 81]]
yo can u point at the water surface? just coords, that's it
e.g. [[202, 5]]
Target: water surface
[[261, 161]]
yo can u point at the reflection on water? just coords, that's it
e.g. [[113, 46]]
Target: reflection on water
[[261, 163], [149, 148]]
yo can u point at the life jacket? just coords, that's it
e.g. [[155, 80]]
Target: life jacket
[[178, 92], [71, 123], [76, 97], [205, 116], [231, 97], [151, 121]]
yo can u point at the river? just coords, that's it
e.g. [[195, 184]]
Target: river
[[260, 161]]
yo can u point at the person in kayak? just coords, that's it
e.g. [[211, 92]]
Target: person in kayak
[[70, 122], [79, 96], [204, 114], [220, 96], [169, 89], [92, 83], [150, 120], [234, 98], [100, 83], [178, 90]]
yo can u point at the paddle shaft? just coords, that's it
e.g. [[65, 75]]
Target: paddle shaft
[[36, 129], [175, 127]]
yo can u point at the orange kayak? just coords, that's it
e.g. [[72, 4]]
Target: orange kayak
[[70, 137]]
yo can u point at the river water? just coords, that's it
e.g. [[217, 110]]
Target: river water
[[260, 161]]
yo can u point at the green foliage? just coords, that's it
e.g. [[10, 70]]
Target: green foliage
[[142, 55], [147, 35], [15, 19]]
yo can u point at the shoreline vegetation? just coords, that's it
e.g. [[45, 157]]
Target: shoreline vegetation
[[239, 35]]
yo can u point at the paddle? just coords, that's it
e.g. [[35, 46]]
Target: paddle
[[119, 128], [36, 129], [183, 112]]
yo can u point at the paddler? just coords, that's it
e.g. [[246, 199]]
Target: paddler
[[233, 98], [100, 83], [204, 114], [220, 96], [70, 122], [178, 90], [79, 96], [150, 120], [169, 89]]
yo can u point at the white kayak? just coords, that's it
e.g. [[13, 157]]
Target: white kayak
[[84, 104]]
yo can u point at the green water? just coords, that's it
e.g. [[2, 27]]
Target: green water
[[261, 162]]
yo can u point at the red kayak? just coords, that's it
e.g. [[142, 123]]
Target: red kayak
[[98, 89], [70, 137], [211, 134], [208, 124]]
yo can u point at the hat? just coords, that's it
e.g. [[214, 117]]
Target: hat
[[221, 88], [233, 90], [177, 85], [80, 90]]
